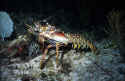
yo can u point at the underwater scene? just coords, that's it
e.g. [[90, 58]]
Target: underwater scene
[[61, 42]]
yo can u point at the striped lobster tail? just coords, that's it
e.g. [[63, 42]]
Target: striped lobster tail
[[79, 42]]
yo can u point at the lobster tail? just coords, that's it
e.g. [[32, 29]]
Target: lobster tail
[[79, 42], [91, 46]]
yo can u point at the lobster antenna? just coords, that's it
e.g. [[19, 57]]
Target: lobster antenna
[[27, 25]]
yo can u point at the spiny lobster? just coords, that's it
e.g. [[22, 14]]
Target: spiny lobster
[[55, 38]]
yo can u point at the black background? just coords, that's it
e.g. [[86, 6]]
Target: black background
[[97, 9]]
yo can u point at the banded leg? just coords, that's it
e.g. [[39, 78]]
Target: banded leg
[[57, 52], [42, 62]]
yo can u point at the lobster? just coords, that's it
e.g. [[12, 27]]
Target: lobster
[[56, 38]]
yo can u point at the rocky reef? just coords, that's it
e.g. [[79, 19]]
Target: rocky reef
[[74, 66]]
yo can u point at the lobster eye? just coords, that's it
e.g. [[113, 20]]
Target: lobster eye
[[40, 30], [35, 29]]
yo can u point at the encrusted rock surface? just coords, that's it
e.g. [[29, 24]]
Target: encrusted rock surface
[[75, 66], [106, 66]]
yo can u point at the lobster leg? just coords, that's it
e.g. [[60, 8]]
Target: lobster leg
[[57, 52], [42, 62]]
